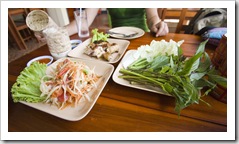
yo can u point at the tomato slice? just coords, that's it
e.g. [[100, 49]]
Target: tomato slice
[[63, 71], [61, 98]]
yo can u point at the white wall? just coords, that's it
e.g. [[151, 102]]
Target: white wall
[[59, 16]]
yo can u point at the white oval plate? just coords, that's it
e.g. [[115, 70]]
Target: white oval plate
[[127, 30], [126, 60]]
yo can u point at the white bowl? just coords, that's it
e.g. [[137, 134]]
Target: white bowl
[[42, 59], [75, 43]]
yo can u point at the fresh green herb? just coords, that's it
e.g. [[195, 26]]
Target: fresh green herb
[[27, 86], [99, 36], [180, 77]]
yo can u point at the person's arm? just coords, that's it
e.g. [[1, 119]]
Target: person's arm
[[155, 24], [91, 14]]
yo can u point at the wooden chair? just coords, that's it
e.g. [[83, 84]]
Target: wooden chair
[[184, 15], [18, 28], [70, 12], [19, 31]]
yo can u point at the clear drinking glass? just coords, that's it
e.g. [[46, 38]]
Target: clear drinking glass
[[81, 22]]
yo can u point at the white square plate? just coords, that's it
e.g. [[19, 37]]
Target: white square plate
[[78, 52], [83, 108], [128, 59]]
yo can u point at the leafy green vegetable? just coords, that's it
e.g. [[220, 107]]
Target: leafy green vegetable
[[99, 36], [218, 79], [27, 86], [182, 78]]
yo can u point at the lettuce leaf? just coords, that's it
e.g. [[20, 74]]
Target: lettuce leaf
[[27, 86], [99, 36]]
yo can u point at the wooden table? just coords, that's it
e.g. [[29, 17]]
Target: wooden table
[[120, 108]]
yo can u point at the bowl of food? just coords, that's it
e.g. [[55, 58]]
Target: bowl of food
[[42, 59], [75, 43]]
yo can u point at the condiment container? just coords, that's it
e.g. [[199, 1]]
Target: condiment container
[[75, 43], [42, 59], [39, 20], [58, 41]]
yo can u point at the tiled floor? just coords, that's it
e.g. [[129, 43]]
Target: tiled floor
[[14, 53]]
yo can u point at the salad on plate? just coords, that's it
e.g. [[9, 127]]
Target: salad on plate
[[65, 85]]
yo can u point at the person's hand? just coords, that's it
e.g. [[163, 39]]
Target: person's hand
[[160, 29], [40, 37]]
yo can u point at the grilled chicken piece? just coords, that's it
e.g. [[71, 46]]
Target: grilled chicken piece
[[107, 56], [101, 49], [113, 48], [98, 52]]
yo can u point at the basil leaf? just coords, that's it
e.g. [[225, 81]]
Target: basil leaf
[[222, 81], [197, 76], [204, 64], [191, 64]]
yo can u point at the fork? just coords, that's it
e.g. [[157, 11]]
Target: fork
[[124, 35]]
